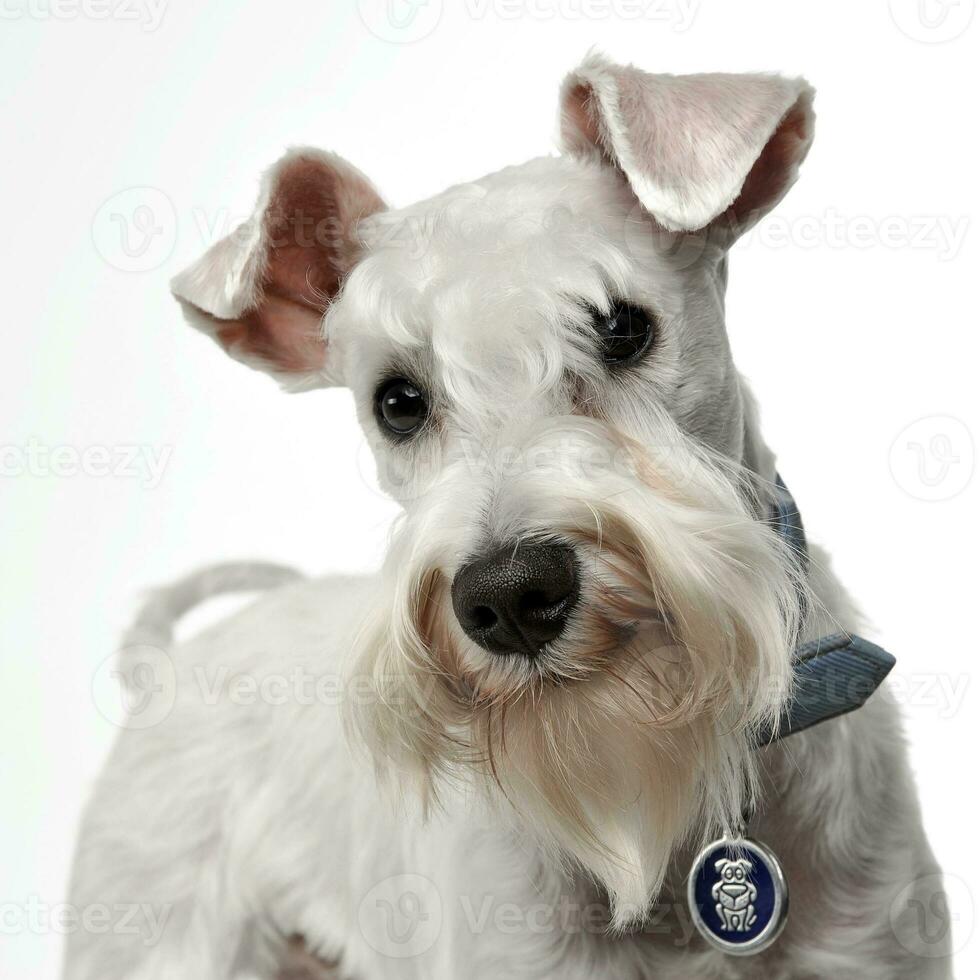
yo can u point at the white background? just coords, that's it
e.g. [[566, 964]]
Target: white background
[[134, 133]]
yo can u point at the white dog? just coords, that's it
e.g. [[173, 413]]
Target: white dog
[[497, 758]]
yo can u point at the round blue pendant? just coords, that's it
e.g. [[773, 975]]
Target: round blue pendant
[[737, 895]]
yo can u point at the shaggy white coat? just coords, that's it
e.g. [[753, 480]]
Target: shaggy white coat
[[397, 802]]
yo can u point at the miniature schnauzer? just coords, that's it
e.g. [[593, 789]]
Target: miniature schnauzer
[[581, 662]]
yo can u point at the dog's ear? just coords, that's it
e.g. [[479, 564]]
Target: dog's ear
[[262, 292], [697, 150]]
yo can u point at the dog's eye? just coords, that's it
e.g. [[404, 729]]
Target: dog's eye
[[401, 406], [624, 333]]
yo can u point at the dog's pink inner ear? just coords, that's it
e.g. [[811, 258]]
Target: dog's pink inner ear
[[580, 130], [262, 292], [774, 172], [693, 148]]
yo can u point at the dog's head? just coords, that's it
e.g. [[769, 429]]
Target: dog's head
[[582, 612]]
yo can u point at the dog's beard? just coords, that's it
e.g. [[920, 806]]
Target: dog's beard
[[633, 733]]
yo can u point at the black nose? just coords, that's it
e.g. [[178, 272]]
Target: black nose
[[517, 600]]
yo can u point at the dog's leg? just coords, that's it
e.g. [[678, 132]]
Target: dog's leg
[[169, 918], [154, 877]]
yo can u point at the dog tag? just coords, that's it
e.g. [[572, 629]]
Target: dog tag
[[737, 895]]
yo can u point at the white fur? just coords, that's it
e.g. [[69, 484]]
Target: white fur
[[647, 123], [567, 793]]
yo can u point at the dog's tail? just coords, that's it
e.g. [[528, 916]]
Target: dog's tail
[[154, 624]]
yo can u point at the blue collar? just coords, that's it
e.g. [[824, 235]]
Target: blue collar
[[834, 674]]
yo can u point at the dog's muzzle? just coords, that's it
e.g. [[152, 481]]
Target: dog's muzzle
[[516, 600]]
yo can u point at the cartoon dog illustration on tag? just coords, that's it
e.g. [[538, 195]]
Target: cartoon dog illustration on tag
[[734, 894]]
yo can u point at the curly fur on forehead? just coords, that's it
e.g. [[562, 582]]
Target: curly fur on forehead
[[497, 272]]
